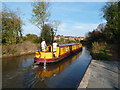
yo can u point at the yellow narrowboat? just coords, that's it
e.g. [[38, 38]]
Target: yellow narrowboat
[[62, 51]]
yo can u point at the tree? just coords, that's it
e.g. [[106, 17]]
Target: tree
[[47, 33], [101, 27], [11, 26], [55, 24], [40, 13], [97, 35], [32, 37], [111, 13], [41, 16]]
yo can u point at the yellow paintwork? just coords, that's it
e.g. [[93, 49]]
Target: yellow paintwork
[[59, 51], [37, 54], [46, 55]]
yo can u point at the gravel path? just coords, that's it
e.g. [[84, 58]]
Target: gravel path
[[102, 74]]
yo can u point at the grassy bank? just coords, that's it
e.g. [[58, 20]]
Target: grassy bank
[[104, 51], [99, 51], [26, 47]]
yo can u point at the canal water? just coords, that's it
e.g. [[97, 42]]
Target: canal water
[[20, 72]]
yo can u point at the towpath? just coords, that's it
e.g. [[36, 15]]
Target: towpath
[[102, 74]]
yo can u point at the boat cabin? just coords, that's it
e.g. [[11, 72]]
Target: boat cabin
[[60, 50]]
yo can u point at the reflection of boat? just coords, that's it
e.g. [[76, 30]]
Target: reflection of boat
[[55, 69], [62, 51]]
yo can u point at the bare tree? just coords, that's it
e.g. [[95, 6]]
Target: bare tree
[[55, 24]]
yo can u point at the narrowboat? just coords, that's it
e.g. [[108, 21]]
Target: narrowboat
[[62, 51]]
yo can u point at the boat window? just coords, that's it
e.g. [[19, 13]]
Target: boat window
[[66, 49]]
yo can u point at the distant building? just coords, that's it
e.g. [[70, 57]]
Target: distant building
[[72, 38], [66, 37], [80, 38], [58, 37]]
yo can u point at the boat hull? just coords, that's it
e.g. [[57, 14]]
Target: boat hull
[[41, 60]]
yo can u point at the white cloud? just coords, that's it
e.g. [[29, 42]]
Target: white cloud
[[66, 29], [76, 29]]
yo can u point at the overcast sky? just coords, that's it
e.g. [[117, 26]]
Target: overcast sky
[[77, 18]]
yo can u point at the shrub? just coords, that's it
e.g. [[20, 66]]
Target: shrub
[[99, 50], [13, 51]]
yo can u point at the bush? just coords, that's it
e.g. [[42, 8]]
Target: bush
[[36, 40], [3, 52], [97, 47], [99, 51], [13, 51], [32, 37]]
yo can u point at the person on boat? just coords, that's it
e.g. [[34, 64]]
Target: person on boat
[[43, 45], [54, 46]]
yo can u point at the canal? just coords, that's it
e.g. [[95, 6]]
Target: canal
[[20, 72]]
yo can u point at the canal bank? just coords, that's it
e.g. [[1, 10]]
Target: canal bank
[[101, 74], [19, 49], [20, 54]]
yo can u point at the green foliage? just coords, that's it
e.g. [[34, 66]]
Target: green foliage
[[24, 38], [99, 51], [95, 36], [3, 52], [111, 13], [40, 17], [47, 34], [97, 47], [70, 41], [11, 27], [33, 38], [13, 51], [101, 56], [40, 13], [83, 42], [61, 41], [36, 40], [109, 32]]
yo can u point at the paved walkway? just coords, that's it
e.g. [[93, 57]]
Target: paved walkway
[[102, 74]]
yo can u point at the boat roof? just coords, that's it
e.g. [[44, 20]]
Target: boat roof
[[63, 45]]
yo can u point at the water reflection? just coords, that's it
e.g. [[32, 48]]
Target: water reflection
[[14, 63], [52, 70], [20, 72]]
